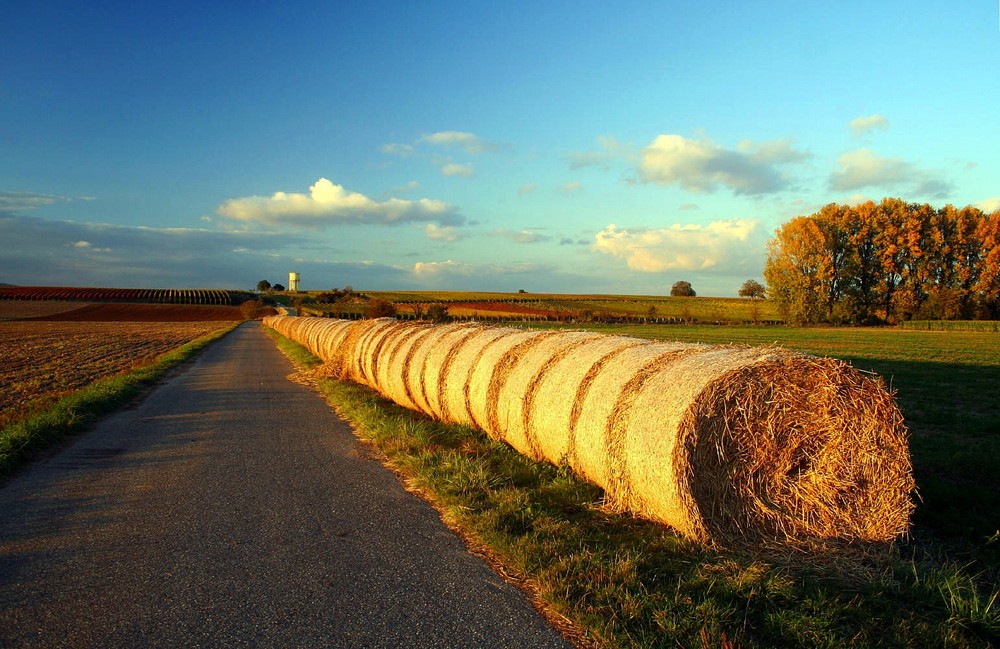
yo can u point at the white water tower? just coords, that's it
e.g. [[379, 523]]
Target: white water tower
[[293, 282]]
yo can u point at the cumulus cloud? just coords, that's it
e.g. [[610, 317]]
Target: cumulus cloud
[[468, 142], [869, 123], [863, 168], [442, 232], [449, 267], [454, 169], [331, 204], [702, 165], [522, 236], [990, 205], [687, 247]]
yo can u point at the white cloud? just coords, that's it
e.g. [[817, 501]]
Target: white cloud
[[330, 204], [680, 247], [701, 165], [24, 201], [571, 187], [869, 123], [468, 142], [442, 232], [453, 169], [990, 205], [526, 189], [863, 168], [522, 236], [81, 244], [449, 267]]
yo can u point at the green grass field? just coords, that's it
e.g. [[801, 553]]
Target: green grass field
[[623, 582]]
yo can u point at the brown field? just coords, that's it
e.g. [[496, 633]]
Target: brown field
[[21, 309], [42, 360], [115, 312]]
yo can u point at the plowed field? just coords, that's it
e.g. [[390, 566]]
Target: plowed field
[[22, 309], [40, 360]]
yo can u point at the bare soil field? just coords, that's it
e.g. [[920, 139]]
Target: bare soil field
[[21, 309], [43, 360], [109, 312]]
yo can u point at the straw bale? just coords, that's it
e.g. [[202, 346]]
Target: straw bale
[[430, 362], [333, 337], [599, 397], [732, 444], [364, 360], [456, 372], [383, 354], [554, 408], [396, 373], [769, 445], [516, 399], [489, 373]]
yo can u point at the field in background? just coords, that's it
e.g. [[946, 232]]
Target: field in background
[[53, 348], [566, 308]]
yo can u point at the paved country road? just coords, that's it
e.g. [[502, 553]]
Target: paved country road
[[232, 508]]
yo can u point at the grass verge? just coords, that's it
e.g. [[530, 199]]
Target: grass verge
[[622, 582], [22, 440]]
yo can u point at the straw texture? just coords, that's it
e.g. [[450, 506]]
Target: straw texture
[[723, 443]]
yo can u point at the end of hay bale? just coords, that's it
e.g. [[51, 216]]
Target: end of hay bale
[[798, 449]]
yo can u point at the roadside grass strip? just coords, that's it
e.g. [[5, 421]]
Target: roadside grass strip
[[611, 580], [53, 422]]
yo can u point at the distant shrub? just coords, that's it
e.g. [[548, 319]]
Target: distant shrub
[[682, 289], [379, 308]]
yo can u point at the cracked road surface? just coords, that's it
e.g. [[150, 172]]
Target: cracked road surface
[[231, 507]]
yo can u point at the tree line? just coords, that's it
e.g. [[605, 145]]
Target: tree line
[[886, 262]]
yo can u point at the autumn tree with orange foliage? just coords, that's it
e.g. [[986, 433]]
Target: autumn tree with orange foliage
[[886, 262]]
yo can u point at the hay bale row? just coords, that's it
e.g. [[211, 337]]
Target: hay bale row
[[721, 442]]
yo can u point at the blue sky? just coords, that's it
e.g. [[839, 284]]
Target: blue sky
[[553, 147]]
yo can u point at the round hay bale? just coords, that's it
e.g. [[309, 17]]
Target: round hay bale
[[724, 443], [516, 398], [396, 373], [609, 383], [429, 363], [489, 372], [383, 354], [456, 373], [363, 360], [555, 407], [332, 339]]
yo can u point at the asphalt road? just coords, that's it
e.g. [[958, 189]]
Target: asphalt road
[[232, 508]]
